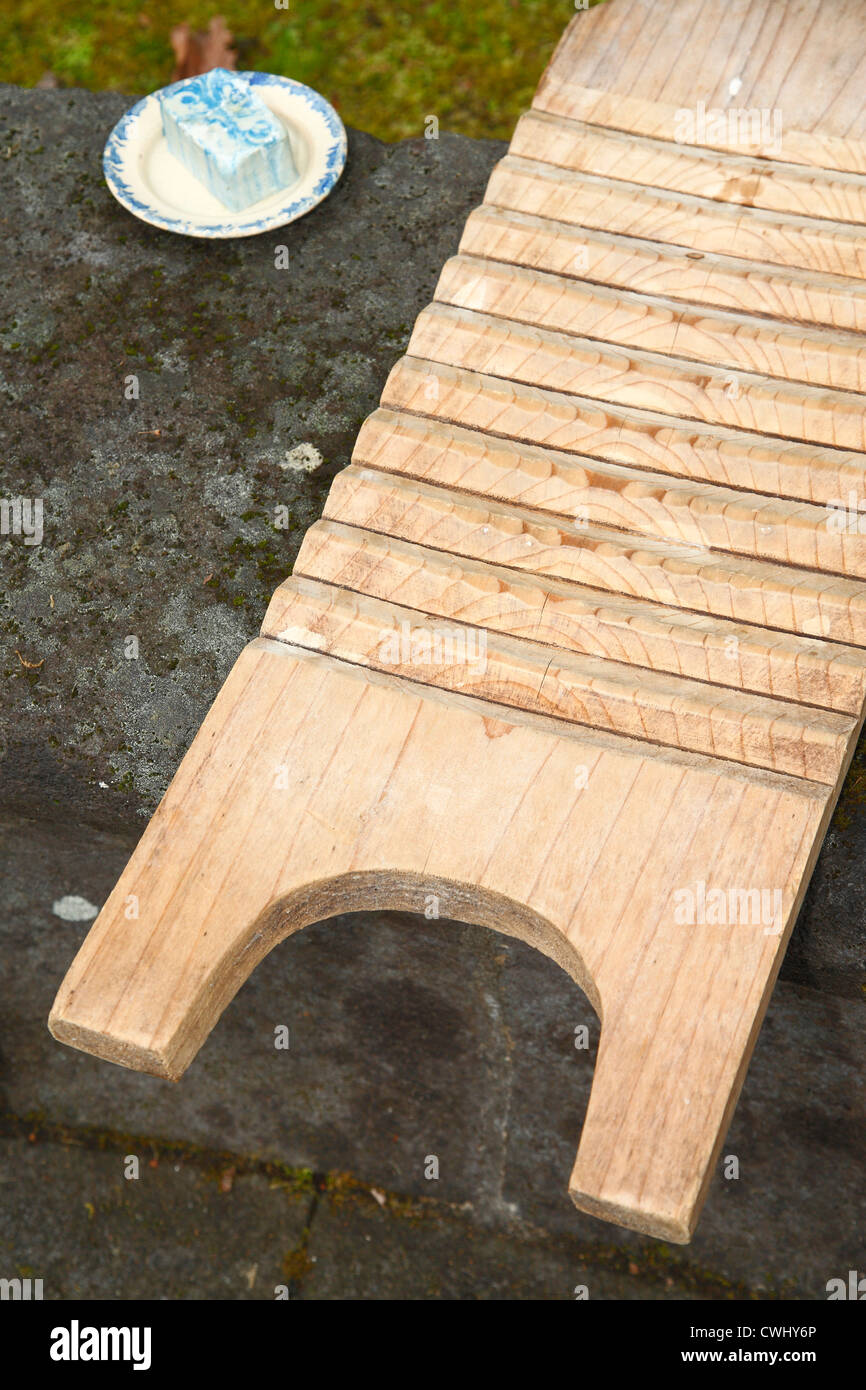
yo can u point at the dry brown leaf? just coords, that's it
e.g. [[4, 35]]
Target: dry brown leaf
[[29, 665], [197, 51]]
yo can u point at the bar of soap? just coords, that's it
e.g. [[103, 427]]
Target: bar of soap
[[224, 134]]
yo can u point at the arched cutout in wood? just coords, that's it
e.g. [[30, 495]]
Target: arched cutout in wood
[[315, 787]]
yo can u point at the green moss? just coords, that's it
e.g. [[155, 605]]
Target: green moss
[[34, 1126], [297, 1263], [386, 67], [125, 782]]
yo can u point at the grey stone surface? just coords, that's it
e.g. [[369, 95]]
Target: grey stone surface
[[363, 1251], [70, 1217], [408, 1037], [237, 363], [191, 1227]]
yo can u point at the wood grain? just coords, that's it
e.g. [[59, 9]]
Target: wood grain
[[808, 602], [574, 616], [600, 257], [642, 438], [655, 324], [757, 183], [263, 857], [698, 224], [633, 66]]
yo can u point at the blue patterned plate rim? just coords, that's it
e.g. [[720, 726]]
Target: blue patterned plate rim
[[329, 158]]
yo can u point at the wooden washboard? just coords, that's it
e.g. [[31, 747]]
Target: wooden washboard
[[577, 650]]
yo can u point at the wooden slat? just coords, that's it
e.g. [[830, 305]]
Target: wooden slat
[[784, 737], [642, 439], [653, 268], [659, 120], [681, 168], [808, 602], [583, 620], [653, 324], [527, 185], [591, 493], [647, 380]]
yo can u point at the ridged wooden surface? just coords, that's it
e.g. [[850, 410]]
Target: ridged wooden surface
[[624, 433]]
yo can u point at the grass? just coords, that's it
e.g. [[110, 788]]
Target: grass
[[474, 64]]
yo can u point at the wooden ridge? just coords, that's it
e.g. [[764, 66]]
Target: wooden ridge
[[591, 493], [655, 324], [758, 183], [780, 736], [641, 438], [658, 120], [808, 602], [698, 224], [787, 295], [646, 380], [571, 615]]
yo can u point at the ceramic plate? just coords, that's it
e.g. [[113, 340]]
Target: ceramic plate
[[156, 187]]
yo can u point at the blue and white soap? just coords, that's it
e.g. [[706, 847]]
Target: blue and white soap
[[224, 134]]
